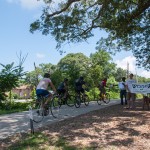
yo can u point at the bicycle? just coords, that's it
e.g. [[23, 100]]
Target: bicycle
[[68, 100], [104, 98], [81, 97], [39, 110]]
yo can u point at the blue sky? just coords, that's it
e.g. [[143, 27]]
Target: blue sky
[[16, 17]]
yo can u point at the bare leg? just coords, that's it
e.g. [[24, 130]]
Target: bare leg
[[48, 99], [129, 99], [133, 100]]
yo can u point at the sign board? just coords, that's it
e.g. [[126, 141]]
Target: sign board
[[143, 88]]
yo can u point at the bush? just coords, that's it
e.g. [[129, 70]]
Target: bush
[[33, 94], [15, 96], [8, 105]]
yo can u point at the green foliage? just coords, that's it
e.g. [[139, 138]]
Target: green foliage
[[33, 77], [33, 94], [126, 22], [114, 95], [9, 77], [15, 96], [119, 74], [73, 66], [11, 107]]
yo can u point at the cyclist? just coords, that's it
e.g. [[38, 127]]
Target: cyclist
[[102, 86], [63, 88], [79, 85], [42, 88]]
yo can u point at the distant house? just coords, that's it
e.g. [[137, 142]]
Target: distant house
[[23, 91]]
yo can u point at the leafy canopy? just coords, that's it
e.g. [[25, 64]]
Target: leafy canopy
[[126, 22]]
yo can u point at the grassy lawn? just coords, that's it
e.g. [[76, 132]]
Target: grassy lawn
[[40, 141]]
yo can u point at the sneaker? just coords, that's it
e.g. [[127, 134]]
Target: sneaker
[[46, 112]]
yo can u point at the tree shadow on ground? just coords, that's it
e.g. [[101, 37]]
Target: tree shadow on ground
[[111, 128]]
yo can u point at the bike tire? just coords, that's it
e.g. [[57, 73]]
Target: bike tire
[[55, 106], [86, 100], [37, 111], [77, 102], [70, 100], [107, 98], [99, 101], [57, 101]]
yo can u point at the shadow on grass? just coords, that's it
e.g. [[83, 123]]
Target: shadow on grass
[[40, 141]]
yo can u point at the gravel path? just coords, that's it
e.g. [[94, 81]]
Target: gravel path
[[19, 122]]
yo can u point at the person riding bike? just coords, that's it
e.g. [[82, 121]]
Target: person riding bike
[[79, 85], [42, 88], [63, 88], [102, 86]]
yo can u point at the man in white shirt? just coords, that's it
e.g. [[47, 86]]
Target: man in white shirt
[[42, 87], [122, 87], [130, 96]]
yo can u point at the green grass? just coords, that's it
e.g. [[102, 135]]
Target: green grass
[[14, 107], [39, 141], [32, 142]]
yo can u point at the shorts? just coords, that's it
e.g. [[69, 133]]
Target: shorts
[[42, 92], [131, 96]]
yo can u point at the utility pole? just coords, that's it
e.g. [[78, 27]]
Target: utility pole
[[127, 69], [136, 75]]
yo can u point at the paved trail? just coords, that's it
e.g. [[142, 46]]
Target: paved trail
[[19, 122]]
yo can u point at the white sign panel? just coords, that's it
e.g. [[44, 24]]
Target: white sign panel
[[140, 88]]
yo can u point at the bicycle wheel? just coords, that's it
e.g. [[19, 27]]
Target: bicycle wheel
[[77, 101], [99, 101], [106, 98], [55, 106], [86, 100], [37, 111], [70, 100]]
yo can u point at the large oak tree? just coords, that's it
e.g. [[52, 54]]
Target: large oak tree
[[127, 23]]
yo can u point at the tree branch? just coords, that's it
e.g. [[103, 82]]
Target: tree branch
[[141, 8], [63, 9]]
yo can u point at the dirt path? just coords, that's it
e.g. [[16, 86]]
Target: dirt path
[[110, 128]]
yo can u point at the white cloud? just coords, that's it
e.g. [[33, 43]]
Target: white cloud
[[39, 55], [123, 63], [132, 67], [145, 74], [29, 4]]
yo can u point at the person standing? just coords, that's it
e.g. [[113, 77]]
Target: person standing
[[123, 93], [130, 96]]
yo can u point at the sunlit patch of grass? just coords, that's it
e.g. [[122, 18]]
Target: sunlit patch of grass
[[31, 142], [40, 141], [62, 144]]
